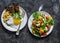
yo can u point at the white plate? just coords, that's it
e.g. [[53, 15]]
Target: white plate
[[30, 24], [14, 29]]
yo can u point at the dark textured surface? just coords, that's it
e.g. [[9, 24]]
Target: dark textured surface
[[50, 6]]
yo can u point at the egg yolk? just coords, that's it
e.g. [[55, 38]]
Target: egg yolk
[[17, 21]]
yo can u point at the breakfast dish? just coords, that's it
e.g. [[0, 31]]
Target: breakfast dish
[[41, 24], [12, 16]]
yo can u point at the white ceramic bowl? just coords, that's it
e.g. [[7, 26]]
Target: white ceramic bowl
[[22, 24], [30, 24]]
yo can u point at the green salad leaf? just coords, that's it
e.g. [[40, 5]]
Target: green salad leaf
[[43, 27], [35, 15], [36, 31], [17, 15], [51, 22]]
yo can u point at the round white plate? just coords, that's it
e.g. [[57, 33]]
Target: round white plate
[[22, 24], [30, 24]]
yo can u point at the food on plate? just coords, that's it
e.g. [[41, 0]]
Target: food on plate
[[17, 21], [6, 16], [41, 23], [13, 12]]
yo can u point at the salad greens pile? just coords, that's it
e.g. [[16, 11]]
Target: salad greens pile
[[17, 15], [41, 23]]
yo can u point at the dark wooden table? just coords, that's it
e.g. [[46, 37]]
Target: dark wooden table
[[50, 6]]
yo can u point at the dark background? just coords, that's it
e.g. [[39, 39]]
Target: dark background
[[50, 6]]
